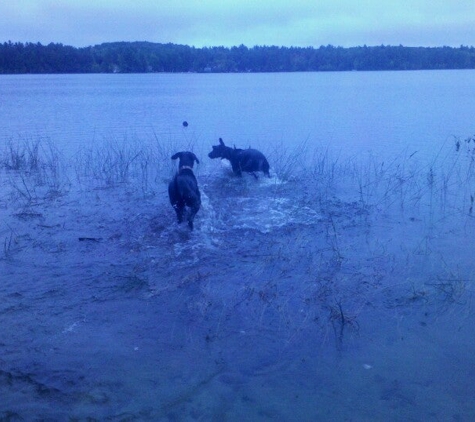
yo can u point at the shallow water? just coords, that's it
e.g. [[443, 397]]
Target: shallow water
[[292, 300]]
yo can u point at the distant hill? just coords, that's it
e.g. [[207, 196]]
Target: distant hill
[[144, 57]]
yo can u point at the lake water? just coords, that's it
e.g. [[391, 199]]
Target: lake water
[[353, 112], [340, 288]]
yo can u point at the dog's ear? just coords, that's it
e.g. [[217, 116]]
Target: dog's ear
[[177, 155], [221, 141], [196, 158]]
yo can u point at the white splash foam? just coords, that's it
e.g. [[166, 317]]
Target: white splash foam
[[267, 213]]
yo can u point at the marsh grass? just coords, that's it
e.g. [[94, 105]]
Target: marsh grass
[[108, 164], [35, 169], [442, 185], [436, 295], [9, 244], [436, 191], [22, 156], [289, 162], [346, 192], [139, 164]]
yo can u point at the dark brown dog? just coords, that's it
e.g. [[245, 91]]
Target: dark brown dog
[[248, 160], [183, 190]]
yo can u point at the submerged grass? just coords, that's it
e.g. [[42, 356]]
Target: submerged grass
[[133, 162], [8, 244], [369, 245], [352, 197], [444, 185], [35, 170]]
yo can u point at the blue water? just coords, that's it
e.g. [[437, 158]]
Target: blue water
[[353, 112], [338, 289]]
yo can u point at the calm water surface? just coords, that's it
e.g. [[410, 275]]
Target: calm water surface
[[355, 112]]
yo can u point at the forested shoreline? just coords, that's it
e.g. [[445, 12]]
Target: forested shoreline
[[147, 57]]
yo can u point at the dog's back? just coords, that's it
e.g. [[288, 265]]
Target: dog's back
[[251, 160], [183, 189]]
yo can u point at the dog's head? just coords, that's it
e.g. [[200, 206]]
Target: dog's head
[[187, 159], [220, 151]]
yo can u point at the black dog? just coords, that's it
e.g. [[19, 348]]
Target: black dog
[[183, 189], [248, 160]]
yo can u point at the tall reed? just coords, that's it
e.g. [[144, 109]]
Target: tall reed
[[35, 168]]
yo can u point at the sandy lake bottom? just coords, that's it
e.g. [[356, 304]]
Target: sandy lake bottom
[[338, 293]]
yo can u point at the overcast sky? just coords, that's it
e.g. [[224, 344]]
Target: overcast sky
[[250, 22]]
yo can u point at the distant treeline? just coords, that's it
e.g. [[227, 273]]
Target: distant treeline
[[142, 57]]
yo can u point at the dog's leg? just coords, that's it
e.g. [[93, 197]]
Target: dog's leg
[[191, 216], [236, 166], [179, 209]]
